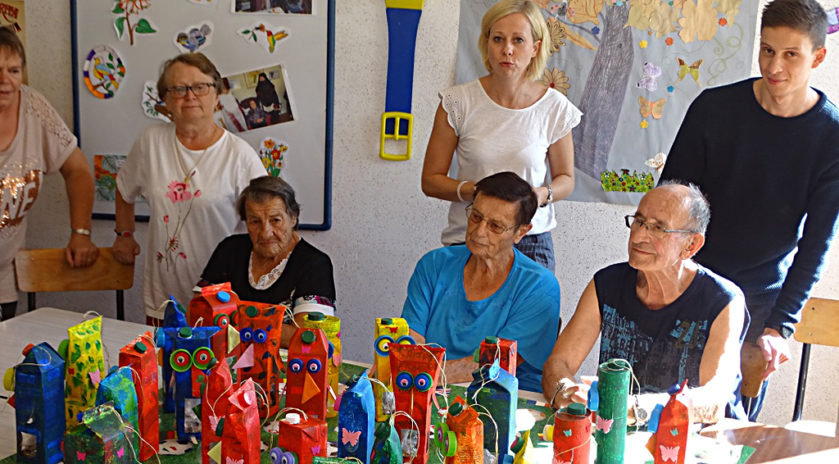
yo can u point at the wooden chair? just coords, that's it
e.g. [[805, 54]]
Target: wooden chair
[[46, 270], [819, 326]]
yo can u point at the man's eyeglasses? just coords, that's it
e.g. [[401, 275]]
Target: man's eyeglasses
[[656, 230], [199, 90], [477, 218]]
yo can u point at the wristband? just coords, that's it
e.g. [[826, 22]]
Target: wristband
[[81, 231], [124, 233], [459, 186]]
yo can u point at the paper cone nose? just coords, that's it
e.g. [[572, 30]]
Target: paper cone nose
[[246, 360], [310, 388]]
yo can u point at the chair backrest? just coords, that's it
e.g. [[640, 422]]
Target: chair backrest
[[819, 325], [46, 270], [819, 322]]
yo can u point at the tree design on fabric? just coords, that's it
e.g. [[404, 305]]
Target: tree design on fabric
[[178, 192], [601, 25]]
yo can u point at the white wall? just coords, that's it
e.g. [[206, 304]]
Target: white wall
[[381, 221]]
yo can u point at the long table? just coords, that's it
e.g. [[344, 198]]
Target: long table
[[50, 325]]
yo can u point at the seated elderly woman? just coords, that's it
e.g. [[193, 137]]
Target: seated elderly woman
[[272, 264], [671, 318], [461, 294]]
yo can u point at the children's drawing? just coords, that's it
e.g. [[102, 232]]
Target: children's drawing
[[151, 102], [125, 9], [103, 71], [273, 155], [264, 34], [193, 38]]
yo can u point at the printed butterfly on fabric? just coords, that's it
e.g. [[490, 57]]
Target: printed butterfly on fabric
[[648, 80], [654, 108], [604, 425], [692, 70], [669, 453]]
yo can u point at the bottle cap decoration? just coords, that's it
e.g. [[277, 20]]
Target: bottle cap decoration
[[455, 409], [576, 409], [308, 337], [315, 316], [491, 340], [140, 347], [185, 332], [223, 296]]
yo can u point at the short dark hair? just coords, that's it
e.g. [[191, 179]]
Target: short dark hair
[[699, 210], [196, 60], [508, 186], [806, 16], [10, 41], [266, 188]]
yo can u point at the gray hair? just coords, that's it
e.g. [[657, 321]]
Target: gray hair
[[698, 207], [266, 188]]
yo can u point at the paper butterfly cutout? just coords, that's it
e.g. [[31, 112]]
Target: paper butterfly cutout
[[656, 162], [648, 81], [654, 108], [674, 431], [693, 70], [557, 9], [833, 21], [213, 422], [120, 452], [305, 348], [95, 377], [349, 437], [567, 432], [81, 455], [669, 453], [235, 461], [604, 425], [316, 449]]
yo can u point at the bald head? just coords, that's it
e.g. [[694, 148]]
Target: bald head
[[689, 205]]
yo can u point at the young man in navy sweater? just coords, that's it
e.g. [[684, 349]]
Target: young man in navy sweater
[[766, 153]]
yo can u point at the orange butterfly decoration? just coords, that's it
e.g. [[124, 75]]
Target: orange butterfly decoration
[[654, 108]]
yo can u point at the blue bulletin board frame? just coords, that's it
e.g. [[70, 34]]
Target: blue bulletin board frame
[[225, 21]]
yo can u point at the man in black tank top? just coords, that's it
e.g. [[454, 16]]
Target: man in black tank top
[[671, 318]]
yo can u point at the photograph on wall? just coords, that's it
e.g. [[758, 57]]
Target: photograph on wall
[[254, 99], [273, 6]]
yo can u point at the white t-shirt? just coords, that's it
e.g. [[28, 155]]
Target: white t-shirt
[[493, 139], [41, 146], [186, 221]]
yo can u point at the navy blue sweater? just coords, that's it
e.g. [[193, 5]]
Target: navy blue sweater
[[773, 185]]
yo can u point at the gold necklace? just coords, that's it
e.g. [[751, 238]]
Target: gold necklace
[[178, 154]]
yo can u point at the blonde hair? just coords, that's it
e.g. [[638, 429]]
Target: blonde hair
[[538, 28]]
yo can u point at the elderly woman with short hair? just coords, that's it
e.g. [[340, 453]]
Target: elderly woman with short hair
[[458, 295], [271, 263], [190, 172]]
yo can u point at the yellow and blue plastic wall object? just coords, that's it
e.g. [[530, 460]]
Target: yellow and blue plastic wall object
[[397, 122], [39, 405]]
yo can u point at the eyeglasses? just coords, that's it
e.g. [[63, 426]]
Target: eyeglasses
[[199, 90], [477, 218], [656, 230]]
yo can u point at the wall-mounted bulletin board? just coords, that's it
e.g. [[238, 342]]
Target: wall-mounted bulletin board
[[276, 58]]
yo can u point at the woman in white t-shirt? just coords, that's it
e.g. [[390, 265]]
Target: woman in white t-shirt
[[505, 121], [35, 141], [190, 173]]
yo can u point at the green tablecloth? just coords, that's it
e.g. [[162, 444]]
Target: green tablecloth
[[541, 413]]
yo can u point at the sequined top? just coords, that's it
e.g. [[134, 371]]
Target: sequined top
[[42, 143]]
